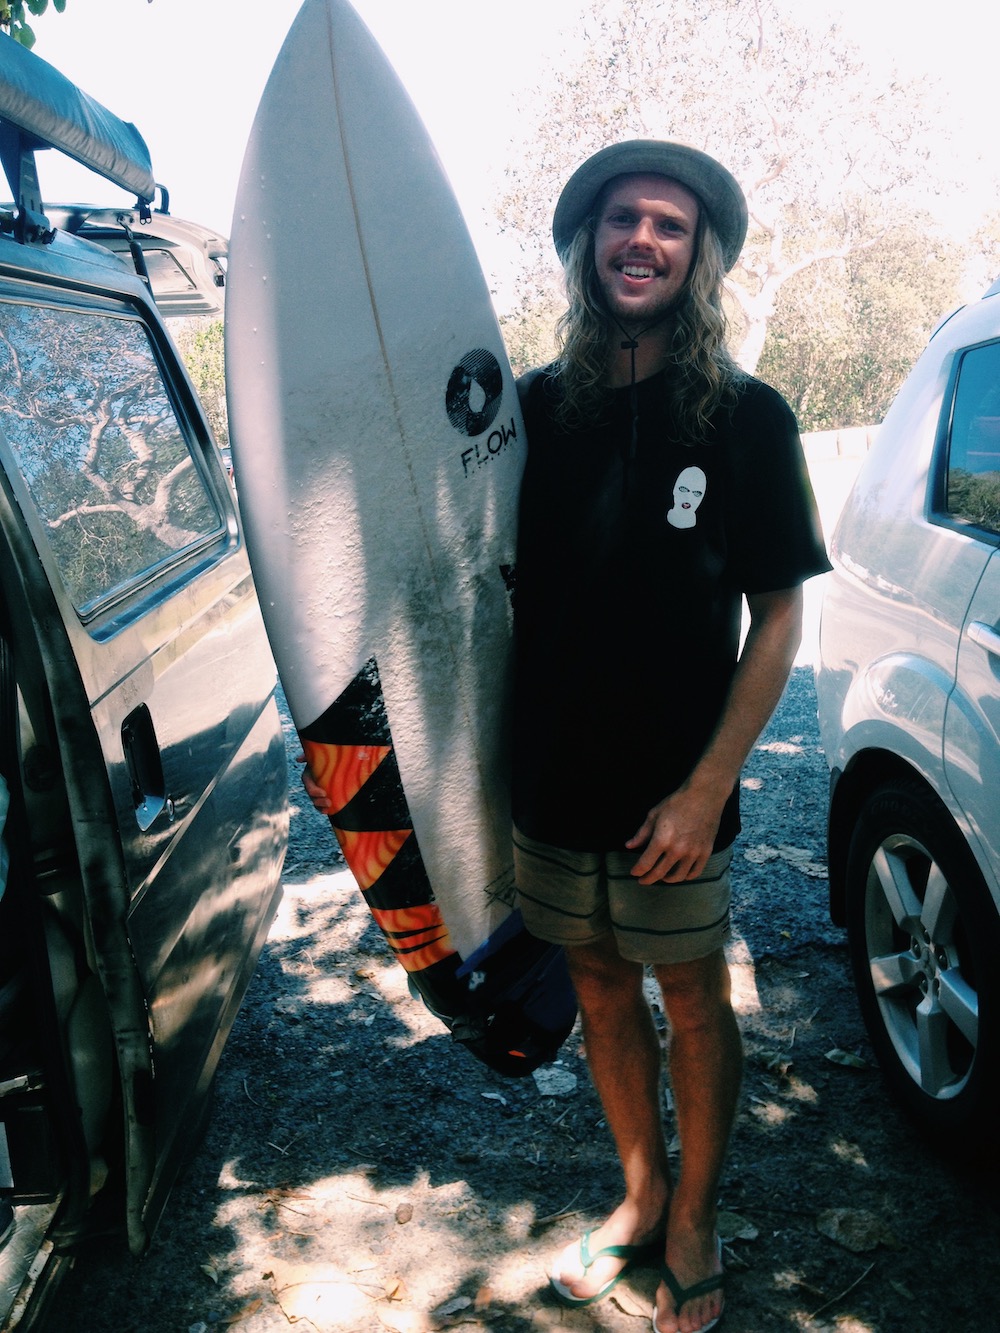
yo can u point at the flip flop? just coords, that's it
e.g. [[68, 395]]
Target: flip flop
[[648, 1252], [682, 1295]]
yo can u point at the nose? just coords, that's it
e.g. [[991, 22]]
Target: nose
[[643, 233]]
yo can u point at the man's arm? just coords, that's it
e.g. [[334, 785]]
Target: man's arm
[[677, 835]]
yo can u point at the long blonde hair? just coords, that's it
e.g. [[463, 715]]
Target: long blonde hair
[[702, 372]]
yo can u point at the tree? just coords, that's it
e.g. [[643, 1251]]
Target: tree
[[827, 156], [846, 333], [12, 17], [202, 347]]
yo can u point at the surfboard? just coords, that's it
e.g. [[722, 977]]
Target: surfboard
[[378, 447]]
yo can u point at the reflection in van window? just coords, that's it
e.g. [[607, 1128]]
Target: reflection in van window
[[974, 447], [96, 438]]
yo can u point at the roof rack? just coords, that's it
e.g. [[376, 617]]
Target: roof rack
[[41, 108]]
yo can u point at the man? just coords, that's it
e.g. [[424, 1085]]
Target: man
[[662, 487]]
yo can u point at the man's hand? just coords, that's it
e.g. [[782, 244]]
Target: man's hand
[[314, 791], [676, 838], [677, 835]]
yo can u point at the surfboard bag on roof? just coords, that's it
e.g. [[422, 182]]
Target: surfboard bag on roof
[[37, 99]]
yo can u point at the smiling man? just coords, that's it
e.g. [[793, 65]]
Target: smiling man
[[662, 487]]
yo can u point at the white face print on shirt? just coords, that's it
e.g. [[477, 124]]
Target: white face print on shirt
[[689, 490]]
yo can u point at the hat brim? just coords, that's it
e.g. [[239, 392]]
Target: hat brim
[[716, 189]]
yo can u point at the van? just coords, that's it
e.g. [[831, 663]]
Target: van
[[143, 794]]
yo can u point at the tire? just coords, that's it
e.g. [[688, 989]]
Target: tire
[[924, 939]]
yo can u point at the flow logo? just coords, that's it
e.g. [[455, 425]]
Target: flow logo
[[475, 389]]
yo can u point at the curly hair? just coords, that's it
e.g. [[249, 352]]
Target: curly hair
[[704, 374]]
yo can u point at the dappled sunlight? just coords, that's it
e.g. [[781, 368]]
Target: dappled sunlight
[[746, 999], [770, 1113], [334, 1251], [850, 1153]]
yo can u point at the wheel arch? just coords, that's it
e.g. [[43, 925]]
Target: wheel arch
[[849, 790]]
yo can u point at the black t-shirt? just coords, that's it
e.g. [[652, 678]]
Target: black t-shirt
[[630, 575]]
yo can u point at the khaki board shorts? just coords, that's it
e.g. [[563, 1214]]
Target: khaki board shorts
[[576, 897]]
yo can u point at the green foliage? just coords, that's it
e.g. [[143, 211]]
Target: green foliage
[[202, 347], [975, 497], [12, 17], [831, 158], [845, 334]]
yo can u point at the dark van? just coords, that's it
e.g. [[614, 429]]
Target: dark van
[[142, 766]]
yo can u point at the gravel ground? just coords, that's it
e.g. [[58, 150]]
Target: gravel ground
[[362, 1173]]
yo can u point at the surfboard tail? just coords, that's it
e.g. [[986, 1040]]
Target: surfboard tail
[[511, 1002]]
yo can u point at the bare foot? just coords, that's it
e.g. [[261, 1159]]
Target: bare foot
[[692, 1302], [582, 1274]]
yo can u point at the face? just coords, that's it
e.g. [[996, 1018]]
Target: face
[[644, 245]]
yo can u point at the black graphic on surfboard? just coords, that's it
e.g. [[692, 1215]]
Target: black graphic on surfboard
[[510, 1002]]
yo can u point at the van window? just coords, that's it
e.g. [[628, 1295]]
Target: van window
[[973, 489], [97, 440]]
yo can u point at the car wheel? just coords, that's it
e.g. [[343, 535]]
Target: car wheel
[[924, 939]]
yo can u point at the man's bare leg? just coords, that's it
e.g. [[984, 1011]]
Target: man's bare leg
[[623, 1053], [705, 1067]]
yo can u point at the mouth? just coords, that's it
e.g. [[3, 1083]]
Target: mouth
[[640, 271]]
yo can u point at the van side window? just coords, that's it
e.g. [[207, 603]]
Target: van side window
[[97, 440], [973, 481]]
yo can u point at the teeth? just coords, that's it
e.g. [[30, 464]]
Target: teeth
[[637, 271]]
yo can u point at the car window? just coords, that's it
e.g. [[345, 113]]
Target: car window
[[973, 475], [99, 444]]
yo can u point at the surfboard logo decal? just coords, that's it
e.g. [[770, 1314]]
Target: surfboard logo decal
[[472, 399]]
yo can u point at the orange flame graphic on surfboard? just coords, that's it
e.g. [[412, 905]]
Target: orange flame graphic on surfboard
[[416, 933]]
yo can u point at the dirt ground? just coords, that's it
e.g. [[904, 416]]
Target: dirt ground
[[360, 1173]]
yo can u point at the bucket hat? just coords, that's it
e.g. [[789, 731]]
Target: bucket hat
[[716, 188]]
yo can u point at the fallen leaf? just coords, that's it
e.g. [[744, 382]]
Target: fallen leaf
[[846, 1058], [494, 1097], [855, 1229], [211, 1271], [484, 1298], [245, 1313], [630, 1304], [443, 1315], [395, 1289], [731, 1226]]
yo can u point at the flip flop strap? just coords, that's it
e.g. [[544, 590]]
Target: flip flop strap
[[682, 1295], [609, 1251]]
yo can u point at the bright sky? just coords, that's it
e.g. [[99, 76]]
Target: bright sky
[[189, 73]]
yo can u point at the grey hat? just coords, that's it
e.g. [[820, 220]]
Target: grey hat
[[717, 190]]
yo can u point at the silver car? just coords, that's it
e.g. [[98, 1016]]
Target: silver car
[[143, 804], [908, 684]]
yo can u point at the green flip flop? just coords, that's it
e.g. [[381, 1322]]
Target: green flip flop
[[682, 1295], [648, 1252]]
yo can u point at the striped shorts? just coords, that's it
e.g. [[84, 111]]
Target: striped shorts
[[576, 897]]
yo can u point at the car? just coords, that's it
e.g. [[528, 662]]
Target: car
[[143, 788], [908, 690]]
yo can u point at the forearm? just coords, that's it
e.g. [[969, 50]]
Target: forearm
[[760, 677], [678, 835]]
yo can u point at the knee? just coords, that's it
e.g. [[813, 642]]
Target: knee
[[697, 994], [599, 973]]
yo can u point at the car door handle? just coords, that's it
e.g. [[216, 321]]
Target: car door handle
[[145, 771], [985, 635]]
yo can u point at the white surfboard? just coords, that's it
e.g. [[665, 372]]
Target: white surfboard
[[378, 447]]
